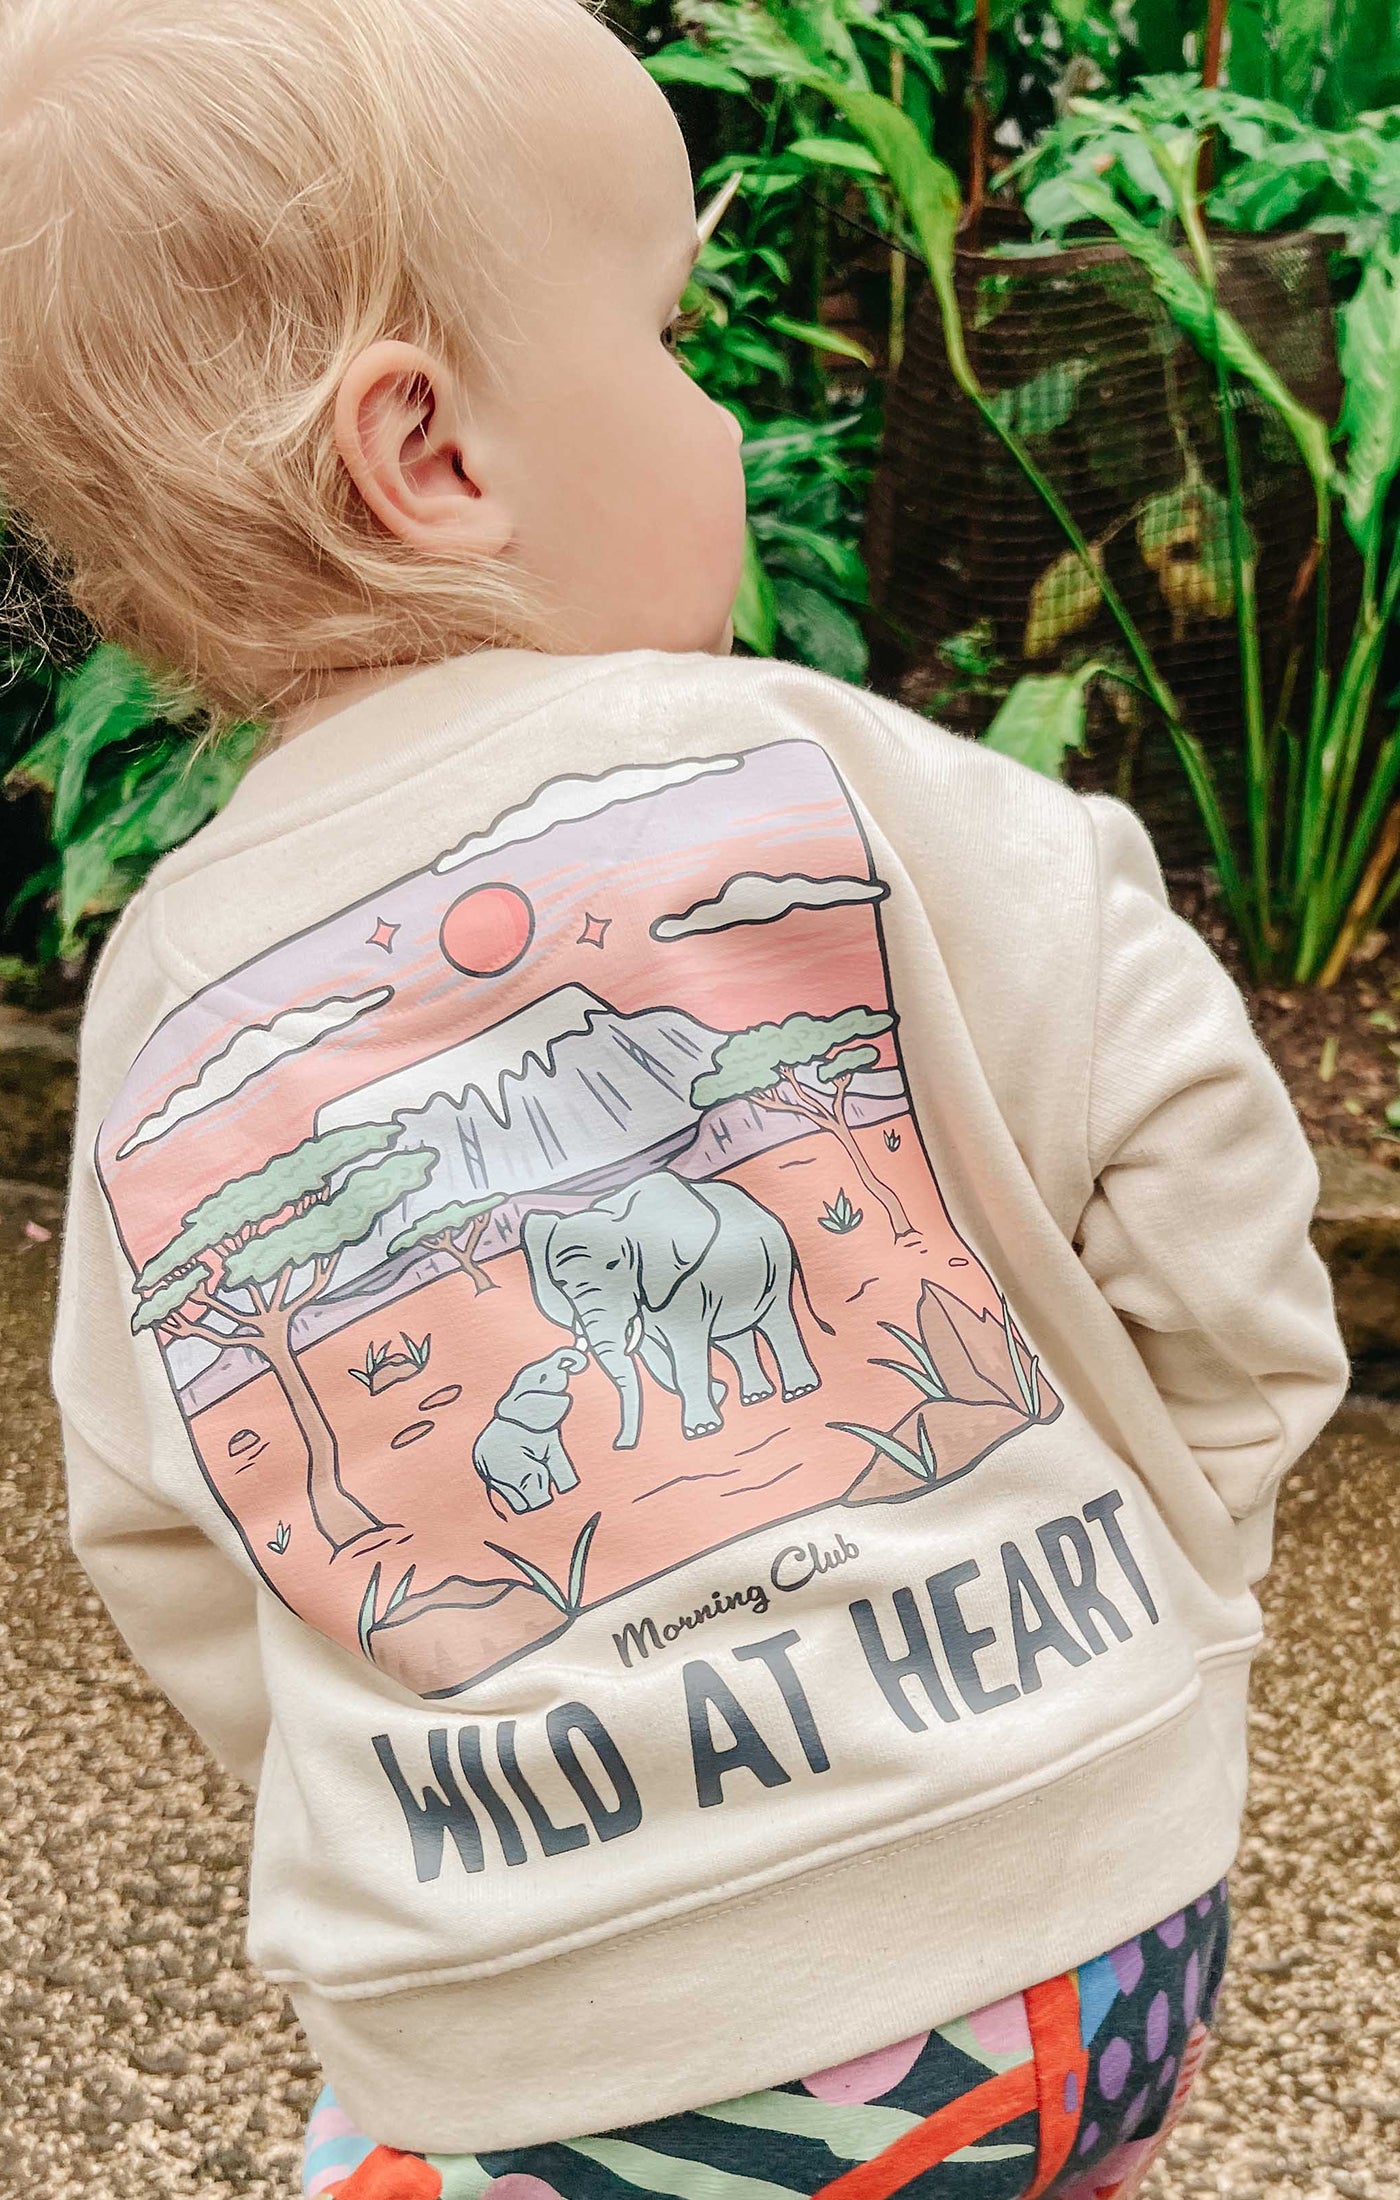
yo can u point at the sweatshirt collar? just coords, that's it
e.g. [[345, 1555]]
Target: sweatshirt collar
[[344, 755]]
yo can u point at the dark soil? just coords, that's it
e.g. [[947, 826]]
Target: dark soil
[[1338, 1052]]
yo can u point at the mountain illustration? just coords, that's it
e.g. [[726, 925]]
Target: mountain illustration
[[568, 1092]]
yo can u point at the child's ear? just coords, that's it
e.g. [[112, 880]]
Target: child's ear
[[403, 446]]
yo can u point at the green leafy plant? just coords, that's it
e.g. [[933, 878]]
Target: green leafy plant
[[760, 333], [124, 782], [566, 1599], [281, 1541], [456, 1230], [1273, 165], [839, 1216], [1320, 800]]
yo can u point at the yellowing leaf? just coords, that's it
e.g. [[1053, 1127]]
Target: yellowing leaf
[[1184, 537], [1064, 601]]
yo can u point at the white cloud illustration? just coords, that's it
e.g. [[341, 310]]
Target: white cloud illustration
[[567, 801], [755, 898], [249, 1054]]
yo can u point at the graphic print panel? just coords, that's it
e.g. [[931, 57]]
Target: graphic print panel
[[557, 1215]]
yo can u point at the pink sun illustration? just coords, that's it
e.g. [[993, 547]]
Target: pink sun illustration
[[487, 931]]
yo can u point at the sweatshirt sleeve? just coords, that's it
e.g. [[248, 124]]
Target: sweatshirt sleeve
[[186, 1610], [1197, 1230]]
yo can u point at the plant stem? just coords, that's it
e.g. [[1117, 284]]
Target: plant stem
[[1368, 650], [1251, 669], [1312, 805], [899, 266], [1194, 761]]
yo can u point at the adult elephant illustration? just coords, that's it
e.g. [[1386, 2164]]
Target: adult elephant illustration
[[661, 1271]]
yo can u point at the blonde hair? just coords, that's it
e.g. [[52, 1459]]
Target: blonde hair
[[207, 208]]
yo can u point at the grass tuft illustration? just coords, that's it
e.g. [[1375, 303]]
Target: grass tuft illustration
[[840, 1216], [1027, 1379], [921, 1371], [283, 1537], [892, 1141], [368, 1612], [370, 1616], [922, 1464], [381, 1360], [568, 1600]]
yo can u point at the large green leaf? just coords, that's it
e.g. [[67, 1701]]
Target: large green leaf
[[109, 698], [1370, 351], [814, 556], [755, 613], [1043, 718], [1211, 327], [844, 153], [820, 338], [1163, 27], [686, 64], [1302, 29], [928, 190], [1044, 403], [822, 634]]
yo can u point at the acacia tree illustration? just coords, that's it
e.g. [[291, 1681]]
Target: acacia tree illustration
[[456, 1230], [254, 1255], [761, 1065]]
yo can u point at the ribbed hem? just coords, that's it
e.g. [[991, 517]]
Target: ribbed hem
[[824, 1966]]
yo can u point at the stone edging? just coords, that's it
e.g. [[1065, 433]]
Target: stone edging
[[38, 1085], [1357, 1232]]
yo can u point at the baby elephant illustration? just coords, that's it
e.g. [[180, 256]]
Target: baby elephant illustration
[[520, 1454]]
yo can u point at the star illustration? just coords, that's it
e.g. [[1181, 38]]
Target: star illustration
[[595, 930], [384, 935]]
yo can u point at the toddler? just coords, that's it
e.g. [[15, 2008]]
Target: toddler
[[684, 1300]]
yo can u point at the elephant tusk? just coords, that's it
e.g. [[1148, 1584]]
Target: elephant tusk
[[632, 1341]]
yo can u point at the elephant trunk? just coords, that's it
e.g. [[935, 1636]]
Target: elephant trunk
[[611, 1353]]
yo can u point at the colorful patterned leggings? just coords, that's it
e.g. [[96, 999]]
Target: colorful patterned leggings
[[1064, 2092]]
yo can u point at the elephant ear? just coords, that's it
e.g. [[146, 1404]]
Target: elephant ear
[[535, 1234], [673, 1227]]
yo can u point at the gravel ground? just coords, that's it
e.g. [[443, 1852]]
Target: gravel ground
[[139, 2059]]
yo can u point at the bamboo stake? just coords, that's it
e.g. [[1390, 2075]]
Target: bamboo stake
[[1386, 850], [981, 114], [1211, 62]]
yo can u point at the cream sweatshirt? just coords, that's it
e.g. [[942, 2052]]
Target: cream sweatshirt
[[683, 1304]]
